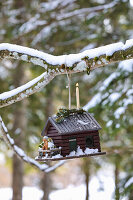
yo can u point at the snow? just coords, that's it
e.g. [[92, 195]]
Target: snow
[[82, 122], [90, 151], [114, 97], [19, 151], [69, 60], [2, 159], [128, 44], [14, 92], [129, 182], [72, 192], [3, 125], [57, 156], [50, 145], [10, 139], [109, 123], [119, 111], [80, 152], [93, 102], [58, 164], [108, 80], [32, 24], [45, 137], [126, 65]]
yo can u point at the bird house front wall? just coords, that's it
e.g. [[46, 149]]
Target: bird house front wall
[[69, 142]]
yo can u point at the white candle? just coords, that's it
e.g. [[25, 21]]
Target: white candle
[[77, 95]]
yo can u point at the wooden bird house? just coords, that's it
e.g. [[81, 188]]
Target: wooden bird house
[[77, 135]]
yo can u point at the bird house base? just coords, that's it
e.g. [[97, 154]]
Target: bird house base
[[54, 158]]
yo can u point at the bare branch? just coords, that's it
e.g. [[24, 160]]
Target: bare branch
[[21, 154]]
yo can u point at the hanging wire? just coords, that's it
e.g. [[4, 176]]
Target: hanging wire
[[69, 83]]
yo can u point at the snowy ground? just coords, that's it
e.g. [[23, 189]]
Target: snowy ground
[[102, 190]]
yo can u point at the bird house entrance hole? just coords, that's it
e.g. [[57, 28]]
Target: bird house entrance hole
[[89, 141]]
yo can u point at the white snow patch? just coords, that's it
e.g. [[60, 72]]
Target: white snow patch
[[72, 153], [50, 145], [2, 158], [90, 151], [109, 123], [126, 65], [108, 80], [82, 122], [19, 151], [4, 127], [10, 139], [129, 182], [128, 44], [119, 111], [14, 92], [79, 151], [114, 97], [24, 57], [57, 156], [117, 126], [93, 102]]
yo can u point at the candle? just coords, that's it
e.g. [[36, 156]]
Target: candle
[[77, 95]]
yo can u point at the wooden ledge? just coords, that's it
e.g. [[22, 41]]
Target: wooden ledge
[[70, 157]]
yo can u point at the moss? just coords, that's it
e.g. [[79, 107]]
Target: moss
[[108, 58], [85, 58], [71, 68], [96, 59]]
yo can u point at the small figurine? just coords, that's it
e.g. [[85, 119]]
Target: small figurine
[[47, 148]]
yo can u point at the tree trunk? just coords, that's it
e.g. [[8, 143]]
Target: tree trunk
[[86, 171], [46, 185], [46, 179], [131, 195], [18, 128], [116, 173], [87, 184]]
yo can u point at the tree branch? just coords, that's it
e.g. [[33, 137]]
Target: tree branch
[[26, 90], [55, 65], [21, 154]]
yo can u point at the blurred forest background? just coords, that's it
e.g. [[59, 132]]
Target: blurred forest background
[[63, 27]]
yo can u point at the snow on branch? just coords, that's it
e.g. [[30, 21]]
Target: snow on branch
[[35, 21], [21, 154], [93, 57], [85, 11], [55, 65], [24, 91]]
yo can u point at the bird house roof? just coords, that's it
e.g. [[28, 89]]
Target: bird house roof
[[73, 124]]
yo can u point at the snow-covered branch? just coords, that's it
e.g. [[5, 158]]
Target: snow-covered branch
[[35, 22], [26, 90], [55, 65], [21, 154], [86, 11]]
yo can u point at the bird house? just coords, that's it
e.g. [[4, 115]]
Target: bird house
[[75, 135]]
